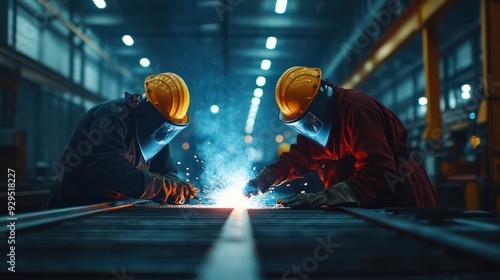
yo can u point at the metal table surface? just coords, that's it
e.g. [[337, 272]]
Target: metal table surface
[[137, 242]]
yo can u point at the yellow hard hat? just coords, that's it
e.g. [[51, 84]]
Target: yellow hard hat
[[295, 90], [170, 95]]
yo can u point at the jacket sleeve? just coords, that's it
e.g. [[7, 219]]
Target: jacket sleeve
[[106, 166], [294, 164], [374, 159], [162, 163]]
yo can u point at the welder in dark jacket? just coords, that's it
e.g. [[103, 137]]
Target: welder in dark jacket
[[357, 146], [120, 149]]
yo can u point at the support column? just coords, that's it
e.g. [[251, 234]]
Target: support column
[[430, 41], [490, 9]]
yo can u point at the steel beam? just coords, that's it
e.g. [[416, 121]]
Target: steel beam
[[490, 9], [430, 44], [233, 254], [410, 23], [43, 218], [433, 234]]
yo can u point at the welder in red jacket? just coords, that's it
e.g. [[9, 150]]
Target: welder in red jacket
[[120, 149], [357, 146]]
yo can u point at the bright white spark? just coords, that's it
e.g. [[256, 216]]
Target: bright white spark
[[232, 198], [230, 194]]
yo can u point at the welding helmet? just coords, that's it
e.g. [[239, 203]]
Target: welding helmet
[[305, 102], [162, 114]]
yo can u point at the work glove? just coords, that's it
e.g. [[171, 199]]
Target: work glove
[[336, 195], [167, 188], [260, 184]]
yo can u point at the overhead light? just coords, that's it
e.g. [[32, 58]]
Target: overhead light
[[261, 81], [356, 78], [258, 92], [266, 64], [250, 122], [279, 138], [255, 101], [127, 40], [248, 129], [271, 43], [101, 4], [466, 91], [254, 108], [248, 139], [422, 101], [144, 62], [252, 114], [280, 6], [214, 109]]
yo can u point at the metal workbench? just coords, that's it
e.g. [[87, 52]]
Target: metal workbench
[[139, 240]]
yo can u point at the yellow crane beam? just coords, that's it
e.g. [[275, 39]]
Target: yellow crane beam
[[490, 108], [406, 27]]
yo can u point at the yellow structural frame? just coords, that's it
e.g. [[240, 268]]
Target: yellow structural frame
[[406, 27], [430, 47], [489, 110], [420, 16]]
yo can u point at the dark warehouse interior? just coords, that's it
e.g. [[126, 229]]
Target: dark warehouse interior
[[434, 63]]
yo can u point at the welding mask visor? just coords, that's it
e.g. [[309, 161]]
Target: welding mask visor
[[316, 122], [154, 130]]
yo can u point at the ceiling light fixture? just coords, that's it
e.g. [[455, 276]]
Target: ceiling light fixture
[[466, 91], [266, 64], [271, 43], [127, 40], [248, 139], [258, 92], [214, 109], [422, 101], [249, 129], [280, 6], [261, 81], [101, 4], [144, 62]]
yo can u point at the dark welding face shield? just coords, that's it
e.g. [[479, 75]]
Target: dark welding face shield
[[154, 130], [316, 122]]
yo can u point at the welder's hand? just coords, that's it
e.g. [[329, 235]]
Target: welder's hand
[[180, 190], [167, 188], [336, 195], [260, 184]]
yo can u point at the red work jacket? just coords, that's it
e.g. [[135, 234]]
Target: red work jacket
[[368, 150]]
